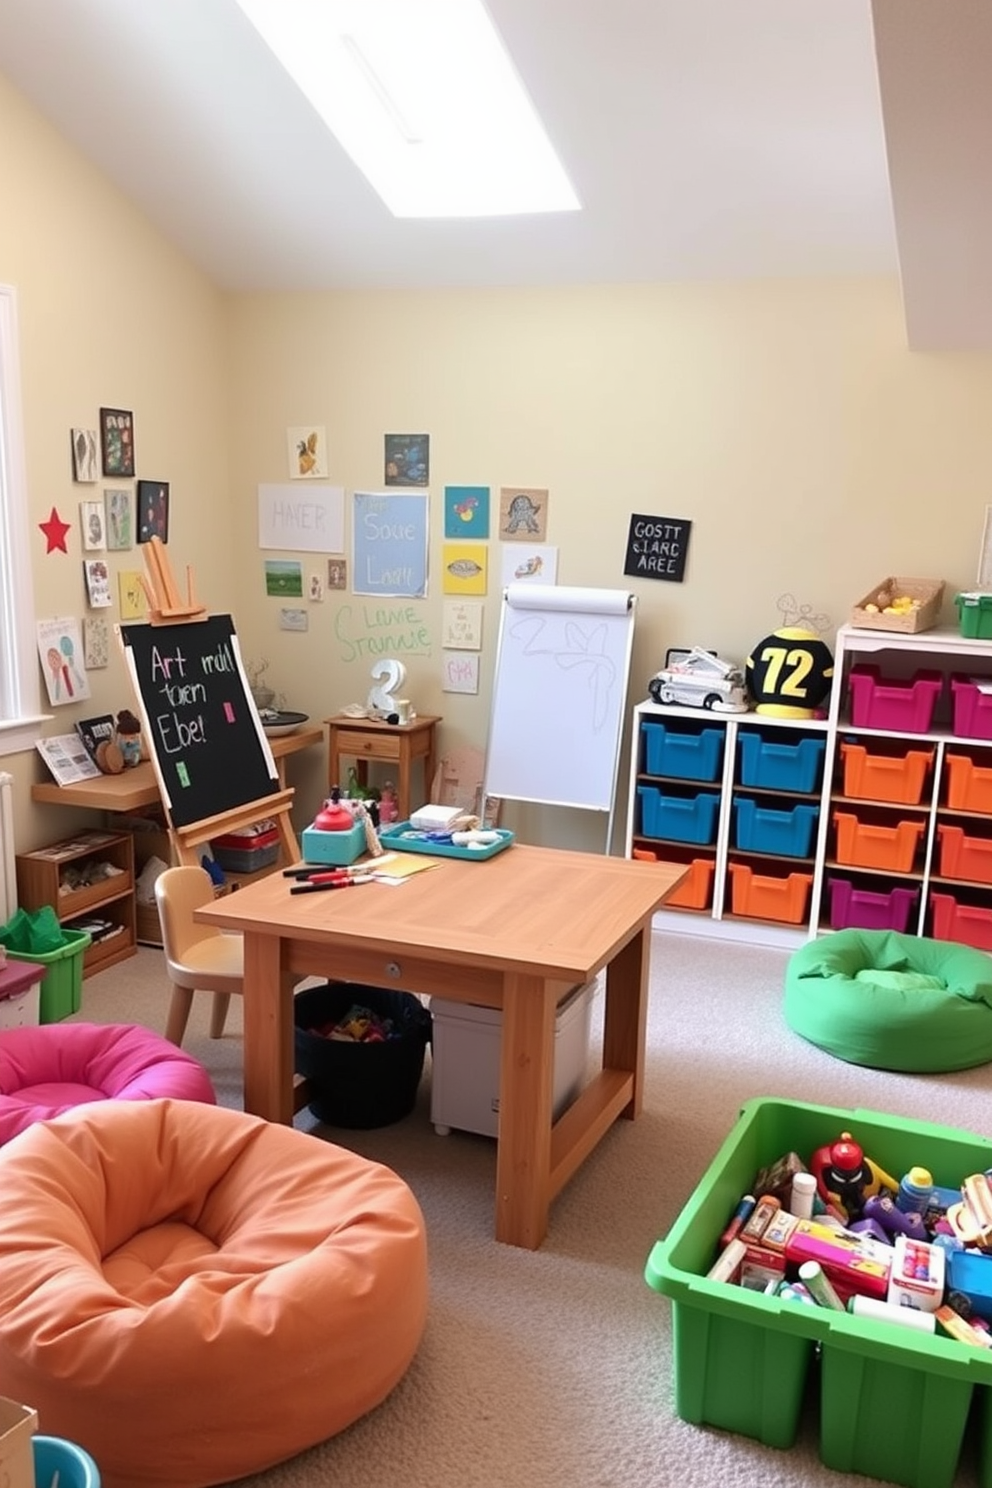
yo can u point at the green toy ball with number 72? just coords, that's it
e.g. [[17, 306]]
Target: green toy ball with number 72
[[789, 673]]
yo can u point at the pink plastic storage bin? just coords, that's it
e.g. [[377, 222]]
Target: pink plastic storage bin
[[972, 708], [862, 909], [964, 857], [965, 923], [902, 707]]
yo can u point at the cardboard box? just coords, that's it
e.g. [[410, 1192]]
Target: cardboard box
[[18, 1423]]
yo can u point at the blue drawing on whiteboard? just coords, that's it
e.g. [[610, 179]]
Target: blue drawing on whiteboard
[[584, 651]]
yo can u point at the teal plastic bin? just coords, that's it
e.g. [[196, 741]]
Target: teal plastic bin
[[62, 983], [74, 1467]]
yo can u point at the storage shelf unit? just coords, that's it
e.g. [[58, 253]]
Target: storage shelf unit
[[40, 873], [901, 864]]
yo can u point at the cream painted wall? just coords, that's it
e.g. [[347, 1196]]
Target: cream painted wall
[[110, 315], [812, 453]]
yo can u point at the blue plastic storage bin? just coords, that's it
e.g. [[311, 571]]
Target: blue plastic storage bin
[[695, 755], [678, 818], [786, 833], [796, 767]]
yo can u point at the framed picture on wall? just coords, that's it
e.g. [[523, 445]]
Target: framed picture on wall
[[153, 510], [117, 441]]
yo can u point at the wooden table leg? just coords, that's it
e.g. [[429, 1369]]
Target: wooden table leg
[[406, 805], [523, 1151], [268, 1031], [625, 1018]]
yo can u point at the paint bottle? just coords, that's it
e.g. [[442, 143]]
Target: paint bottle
[[885, 1312], [915, 1191], [802, 1195], [812, 1275]]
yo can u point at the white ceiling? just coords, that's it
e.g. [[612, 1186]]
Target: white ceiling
[[708, 139]]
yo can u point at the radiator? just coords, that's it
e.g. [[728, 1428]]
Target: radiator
[[8, 877]]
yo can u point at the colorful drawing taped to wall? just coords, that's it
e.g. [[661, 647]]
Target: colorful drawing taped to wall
[[283, 578], [389, 533], [461, 624], [97, 583], [307, 459], [59, 648], [131, 594], [118, 508], [466, 511], [84, 455], [464, 568], [92, 525], [523, 514], [153, 510], [459, 671], [407, 459], [96, 643]]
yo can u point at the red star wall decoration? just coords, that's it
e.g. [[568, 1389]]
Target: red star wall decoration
[[55, 530]]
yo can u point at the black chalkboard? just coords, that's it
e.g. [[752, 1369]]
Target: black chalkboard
[[201, 726]]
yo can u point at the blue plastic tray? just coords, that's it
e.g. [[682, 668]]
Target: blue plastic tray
[[395, 839]]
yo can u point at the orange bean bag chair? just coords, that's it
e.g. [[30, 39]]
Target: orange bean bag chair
[[193, 1294]]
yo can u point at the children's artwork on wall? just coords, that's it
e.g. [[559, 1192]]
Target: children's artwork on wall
[[407, 459], [283, 578], [534, 564], [307, 452], [459, 671], [60, 652], [131, 594], [96, 643], [118, 512], [117, 441], [466, 511], [92, 525], [389, 534], [97, 583], [84, 455], [153, 510], [523, 514], [294, 620], [461, 624], [657, 548], [304, 520], [315, 589], [337, 573], [55, 533], [464, 568]]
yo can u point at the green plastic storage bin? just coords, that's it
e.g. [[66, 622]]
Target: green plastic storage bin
[[975, 615], [742, 1360], [62, 983]]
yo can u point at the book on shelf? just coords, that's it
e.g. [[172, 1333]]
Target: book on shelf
[[66, 757], [96, 731]]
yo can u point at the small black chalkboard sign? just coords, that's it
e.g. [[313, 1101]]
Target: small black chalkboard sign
[[657, 548], [200, 722]]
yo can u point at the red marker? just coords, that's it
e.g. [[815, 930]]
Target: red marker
[[317, 886]]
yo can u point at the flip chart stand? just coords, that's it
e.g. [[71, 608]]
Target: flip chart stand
[[560, 687]]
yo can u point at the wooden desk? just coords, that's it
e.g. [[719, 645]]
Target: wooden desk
[[364, 739], [517, 932], [133, 790]]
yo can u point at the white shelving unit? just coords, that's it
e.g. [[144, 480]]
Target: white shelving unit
[[964, 898]]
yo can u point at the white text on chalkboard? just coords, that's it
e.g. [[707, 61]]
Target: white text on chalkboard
[[657, 548]]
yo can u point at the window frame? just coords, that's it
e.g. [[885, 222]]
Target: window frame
[[20, 715]]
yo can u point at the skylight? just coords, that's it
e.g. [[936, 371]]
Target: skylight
[[423, 96]]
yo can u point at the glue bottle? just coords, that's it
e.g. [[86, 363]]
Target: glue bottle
[[915, 1191], [801, 1195]]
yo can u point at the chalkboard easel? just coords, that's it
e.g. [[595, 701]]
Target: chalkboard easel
[[212, 760]]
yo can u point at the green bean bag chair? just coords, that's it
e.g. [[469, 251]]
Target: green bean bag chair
[[891, 1001]]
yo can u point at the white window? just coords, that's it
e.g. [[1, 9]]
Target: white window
[[20, 719]]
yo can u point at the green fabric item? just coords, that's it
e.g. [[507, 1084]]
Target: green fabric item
[[892, 1001], [33, 932]]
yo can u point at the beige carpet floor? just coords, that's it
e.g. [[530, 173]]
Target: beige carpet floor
[[553, 1369]]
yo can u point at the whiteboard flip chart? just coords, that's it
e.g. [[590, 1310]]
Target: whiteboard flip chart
[[558, 695]]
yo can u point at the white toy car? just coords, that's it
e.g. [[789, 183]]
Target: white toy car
[[700, 679]]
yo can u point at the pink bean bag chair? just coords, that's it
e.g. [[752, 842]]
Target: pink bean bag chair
[[49, 1069], [194, 1294]]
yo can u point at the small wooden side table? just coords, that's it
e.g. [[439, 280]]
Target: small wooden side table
[[364, 739]]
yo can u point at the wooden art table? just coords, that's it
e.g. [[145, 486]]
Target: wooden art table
[[515, 932]]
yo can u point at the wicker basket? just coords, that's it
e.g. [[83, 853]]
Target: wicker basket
[[929, 592]]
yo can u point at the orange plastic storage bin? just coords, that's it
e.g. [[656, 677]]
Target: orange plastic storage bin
[[864, 845], [696, 889], [964, 857], [969, 786], [764, 897], [885, 777], [965, 923]]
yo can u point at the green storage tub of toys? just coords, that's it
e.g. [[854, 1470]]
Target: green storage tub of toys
[[893, 1403]]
